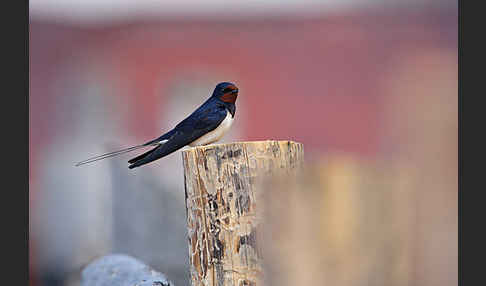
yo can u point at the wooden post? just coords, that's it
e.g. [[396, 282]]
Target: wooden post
[[343, 221], [224, 213]]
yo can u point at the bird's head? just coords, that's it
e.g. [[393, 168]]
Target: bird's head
[[226, 92]]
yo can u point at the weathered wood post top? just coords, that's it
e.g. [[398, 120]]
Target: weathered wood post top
[[224, 211]]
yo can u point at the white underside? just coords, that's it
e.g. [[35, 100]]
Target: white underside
[[216, 134]]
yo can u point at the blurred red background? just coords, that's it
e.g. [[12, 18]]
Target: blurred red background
[[378, 83]]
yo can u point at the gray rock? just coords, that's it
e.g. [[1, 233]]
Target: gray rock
[[121, 270]]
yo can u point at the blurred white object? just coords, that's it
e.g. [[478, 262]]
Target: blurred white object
[[96, 12]]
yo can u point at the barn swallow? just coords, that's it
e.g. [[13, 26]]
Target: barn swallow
[[205, 125]]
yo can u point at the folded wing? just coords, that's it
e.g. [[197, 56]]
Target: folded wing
[[204, 119]]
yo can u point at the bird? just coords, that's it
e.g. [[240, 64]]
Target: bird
[[206, 125]]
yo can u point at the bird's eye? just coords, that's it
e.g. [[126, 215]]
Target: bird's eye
[[226, 90]]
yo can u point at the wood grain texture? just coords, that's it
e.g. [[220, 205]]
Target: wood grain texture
[[224, 212]]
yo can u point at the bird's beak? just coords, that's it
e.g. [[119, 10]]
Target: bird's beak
[[234, 91]]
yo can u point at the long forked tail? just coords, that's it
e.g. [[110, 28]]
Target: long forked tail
[[111, 154]]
